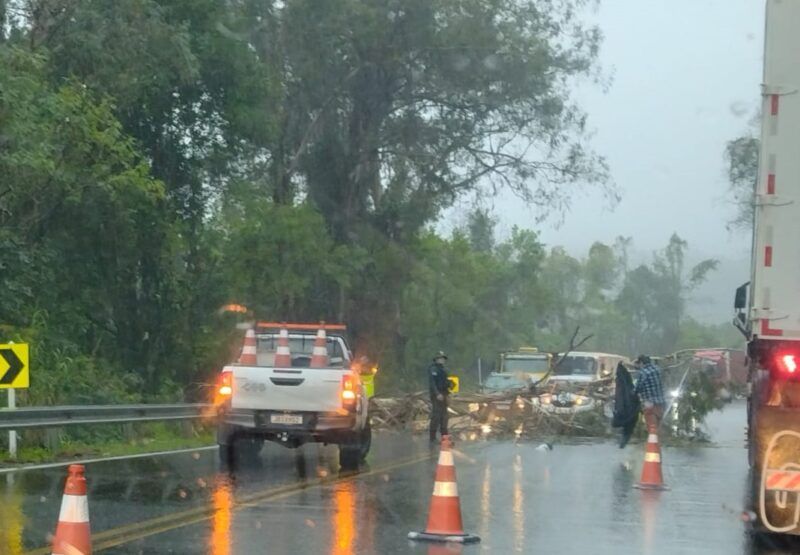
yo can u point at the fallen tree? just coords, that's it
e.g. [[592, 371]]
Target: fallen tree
[[479, 414], [519, 413]]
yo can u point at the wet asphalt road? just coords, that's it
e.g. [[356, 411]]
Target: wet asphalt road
[[577, 498]]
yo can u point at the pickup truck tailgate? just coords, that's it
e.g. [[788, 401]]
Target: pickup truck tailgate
[[290, 389]]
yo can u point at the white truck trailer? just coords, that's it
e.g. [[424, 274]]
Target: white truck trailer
[[770, 317]]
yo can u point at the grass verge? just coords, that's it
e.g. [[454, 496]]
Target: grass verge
[[144, 438]]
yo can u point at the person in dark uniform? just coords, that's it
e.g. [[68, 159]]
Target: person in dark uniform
[[439, 387]]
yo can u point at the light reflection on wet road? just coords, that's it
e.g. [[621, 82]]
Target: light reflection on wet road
[[577, 498]]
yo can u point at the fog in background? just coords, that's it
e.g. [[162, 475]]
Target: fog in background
[[685, 78]]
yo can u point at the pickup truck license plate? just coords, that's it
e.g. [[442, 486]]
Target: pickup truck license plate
[[286, 419]]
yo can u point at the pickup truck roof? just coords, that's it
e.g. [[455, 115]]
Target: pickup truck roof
[[277, 326]]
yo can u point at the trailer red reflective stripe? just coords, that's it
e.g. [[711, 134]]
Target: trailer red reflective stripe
[[771, 184], [783, 480], [774, 105], [774, 479], [766, 330], [794, 482], [768, 256]]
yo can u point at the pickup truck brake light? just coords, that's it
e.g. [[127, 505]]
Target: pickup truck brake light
[[225, 383], [349, 397]]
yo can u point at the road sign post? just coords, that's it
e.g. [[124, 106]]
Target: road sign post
[[12, 435], [14, 374]]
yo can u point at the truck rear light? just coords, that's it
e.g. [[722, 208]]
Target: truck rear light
[[787, 363], [349, 397]]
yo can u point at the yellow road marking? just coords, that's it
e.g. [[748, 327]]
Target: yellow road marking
[[131, 532]]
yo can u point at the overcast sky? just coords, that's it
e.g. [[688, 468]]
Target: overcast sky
[[685, 79]]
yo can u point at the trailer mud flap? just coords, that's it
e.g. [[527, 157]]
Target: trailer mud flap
[[778, 467]]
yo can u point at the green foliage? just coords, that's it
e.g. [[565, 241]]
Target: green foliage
[[698, 398], [473, 302], [741, 157], [694, 335], [81, 218], [278, 260], [655, 297], [412, 103], [111, 442]]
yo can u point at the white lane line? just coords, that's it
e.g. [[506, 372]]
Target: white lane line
[[24, 468]]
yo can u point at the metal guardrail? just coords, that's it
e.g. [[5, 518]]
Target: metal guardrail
[[53, 417]]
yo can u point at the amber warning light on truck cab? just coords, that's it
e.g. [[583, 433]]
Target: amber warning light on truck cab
[[301, 327]]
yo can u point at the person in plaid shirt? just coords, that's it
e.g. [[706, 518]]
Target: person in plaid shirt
[[649, 387]]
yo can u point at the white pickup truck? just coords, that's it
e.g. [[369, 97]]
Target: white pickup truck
[[293, 403]]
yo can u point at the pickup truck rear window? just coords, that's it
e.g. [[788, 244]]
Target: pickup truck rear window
[[301, 348]]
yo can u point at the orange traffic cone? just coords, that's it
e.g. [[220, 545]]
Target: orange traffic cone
[[319, 357], [283, 357], [444, 519], [72, 533], [248, 356], [652, 478]]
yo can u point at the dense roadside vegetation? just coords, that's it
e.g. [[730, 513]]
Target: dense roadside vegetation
[[161, 158]]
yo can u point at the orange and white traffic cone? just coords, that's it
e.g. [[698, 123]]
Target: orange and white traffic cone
[[248, 356], [651, 479], [444, 519], [319, 357], [73, 536], [283, 357]]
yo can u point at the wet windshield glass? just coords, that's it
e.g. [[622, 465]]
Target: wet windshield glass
[[499, 383], [576, 366], [534, 365], [301, 349]]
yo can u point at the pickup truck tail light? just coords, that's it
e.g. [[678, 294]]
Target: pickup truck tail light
[[349, 396], [225, 384]]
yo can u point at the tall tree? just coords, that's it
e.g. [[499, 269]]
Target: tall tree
[[655, 296], [480, 228], [741, 156], [83, 219], [408, 104]]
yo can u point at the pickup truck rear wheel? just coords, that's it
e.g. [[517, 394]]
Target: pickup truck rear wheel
[[353, 453], [240, 449], [249, 448]]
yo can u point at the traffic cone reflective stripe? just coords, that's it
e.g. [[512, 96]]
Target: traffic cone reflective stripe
[[651, 469], [283, 357], [444, 518], [248, 356], [73, 536], [319, 357]]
